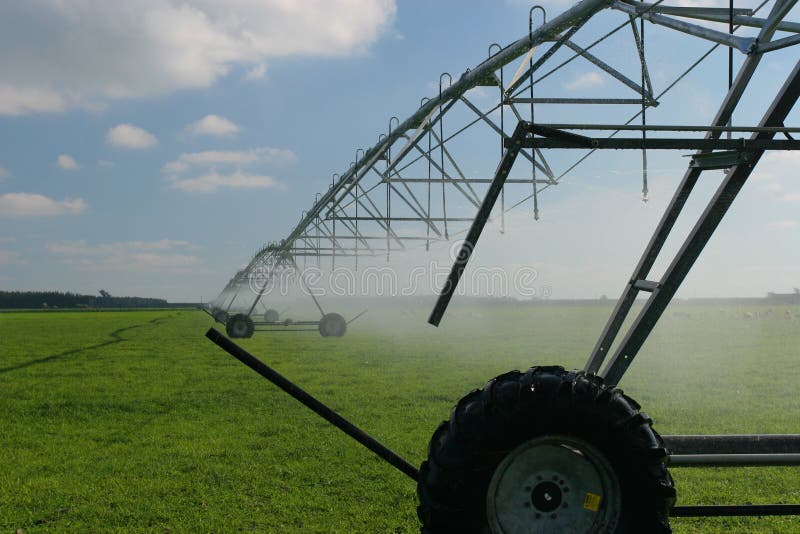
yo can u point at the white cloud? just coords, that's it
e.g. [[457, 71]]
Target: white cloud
[[478, 92], [126, 255], [209, 183], [257, 72], [80, 247], [27, 100], [8, 257], [772, 188], [229, 157], [213, 125], [774, 165], [785, 224], [791, 197], [587, 80], [35, 205], [67, 162], [57, 54], [131, 137]]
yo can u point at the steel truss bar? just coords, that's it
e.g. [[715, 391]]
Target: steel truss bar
[[420, 212], [515, 83], [425, 125], [330, 234], [742, 44], [540, 166], [373, 238], [460, 263], [379, 218], [306, 287], [351, 228], [777, 45], [346, 193], [638, 40], [675, 207], [703, 57], [446, 178], [366, 192], [433, 148], [609, 69], [403, 219], [619, 143], [549, 30], [474, 198], [699, 236], [670, 128], [569, 60], [424, 213], [296, 250], [634, 116], [337, 254], [468, 180], [543, 166], [258, 296], [383, 219], [692, 12], [555, 100], [741, 17]]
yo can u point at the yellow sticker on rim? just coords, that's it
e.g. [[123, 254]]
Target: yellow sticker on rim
[[592, 502]]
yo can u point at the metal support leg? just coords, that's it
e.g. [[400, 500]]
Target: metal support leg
[[699, 236], [503, 169], [671, 214], [307, 288], [312, 403], [231, 302]]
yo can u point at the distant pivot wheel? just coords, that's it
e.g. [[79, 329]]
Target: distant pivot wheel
[[547, 451], [332, 325], [240, 325], [271, 316]]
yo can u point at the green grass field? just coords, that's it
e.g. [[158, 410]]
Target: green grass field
[[133, 421]]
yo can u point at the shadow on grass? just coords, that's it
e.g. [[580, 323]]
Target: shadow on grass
[[115, 335]]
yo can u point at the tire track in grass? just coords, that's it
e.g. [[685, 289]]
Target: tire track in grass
[[115, 338]]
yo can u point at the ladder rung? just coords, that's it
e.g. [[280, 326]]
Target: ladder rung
[[646, 285]]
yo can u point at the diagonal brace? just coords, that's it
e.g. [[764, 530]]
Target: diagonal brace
[[503, 169]]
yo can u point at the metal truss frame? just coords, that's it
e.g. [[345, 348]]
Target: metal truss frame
[[739, 157], [409, 190]]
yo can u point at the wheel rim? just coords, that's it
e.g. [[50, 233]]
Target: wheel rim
[[332, 325], [239, 328], [553, 484]]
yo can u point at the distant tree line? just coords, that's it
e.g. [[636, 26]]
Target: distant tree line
[[58, 299]]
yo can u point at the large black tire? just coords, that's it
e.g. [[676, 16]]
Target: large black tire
[[332, 325], [271, 316], [516, 408], [240, 325]]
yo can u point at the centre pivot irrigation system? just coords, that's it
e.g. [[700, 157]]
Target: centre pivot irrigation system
[[551, 450]]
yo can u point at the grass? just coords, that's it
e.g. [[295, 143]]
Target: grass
[[135, 422]]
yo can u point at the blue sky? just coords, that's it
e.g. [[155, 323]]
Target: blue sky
[[149, 149]]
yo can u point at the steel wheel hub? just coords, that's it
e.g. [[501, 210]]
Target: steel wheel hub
[[553, 484], [239, 328]]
